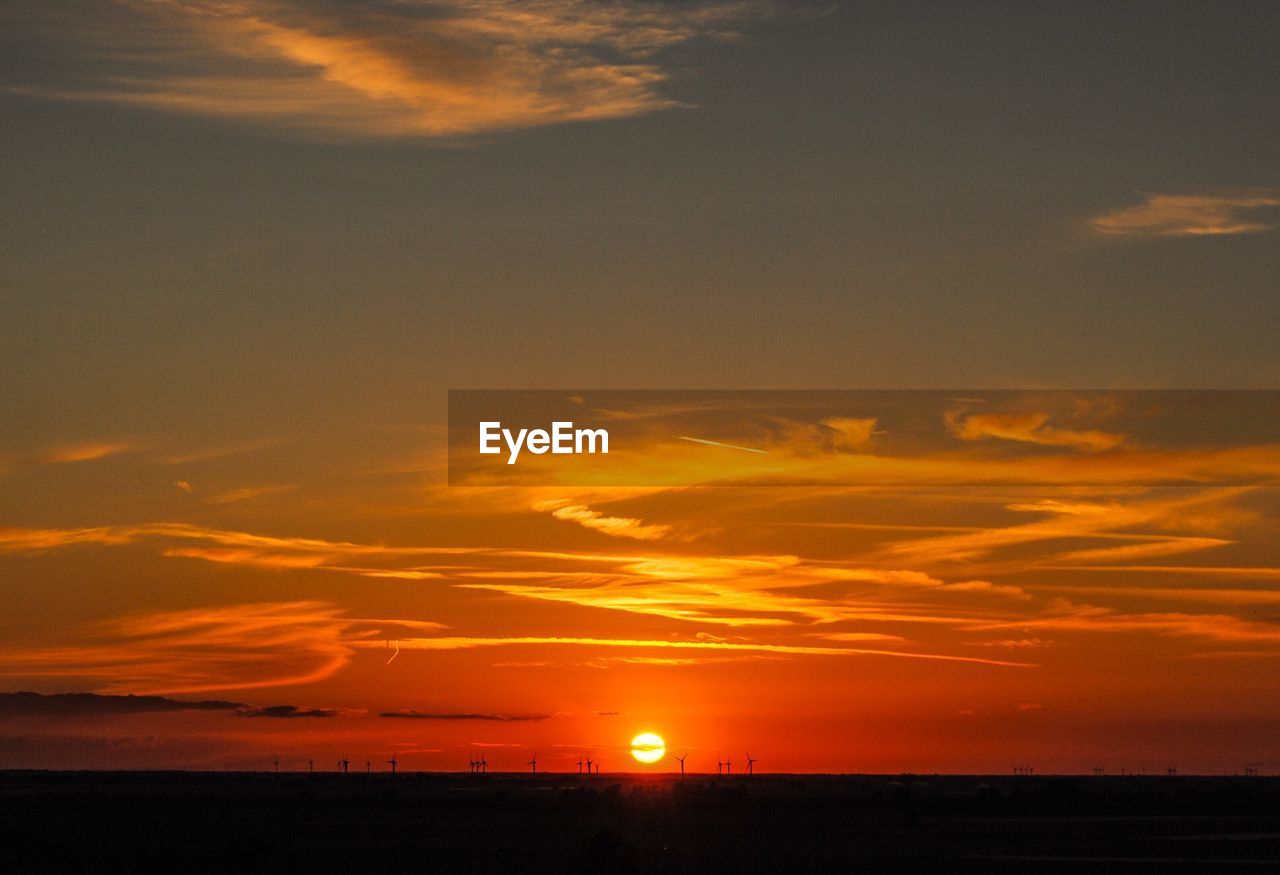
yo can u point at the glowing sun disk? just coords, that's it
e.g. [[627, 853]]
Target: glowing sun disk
[[648, 747]]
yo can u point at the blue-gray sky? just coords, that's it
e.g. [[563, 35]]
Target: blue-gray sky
[[804, 195]]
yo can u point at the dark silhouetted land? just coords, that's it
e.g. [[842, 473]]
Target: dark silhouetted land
[[236, 822]]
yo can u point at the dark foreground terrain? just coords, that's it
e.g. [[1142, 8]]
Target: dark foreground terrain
[[227, 822]]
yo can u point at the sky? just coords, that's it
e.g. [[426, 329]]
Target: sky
[[250, 246]]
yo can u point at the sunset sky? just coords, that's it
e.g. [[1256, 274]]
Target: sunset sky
[[249, 247]]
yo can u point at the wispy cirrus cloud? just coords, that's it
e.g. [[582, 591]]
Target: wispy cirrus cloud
[[217, 648], [933, 589], [411, 714], [417, 68], [66, 453], [239, 548], [1193, 215], [244, 493], [1067, 616], [721, 647], [1078, 519], [735, 591], [1029, 427], [618, 527]]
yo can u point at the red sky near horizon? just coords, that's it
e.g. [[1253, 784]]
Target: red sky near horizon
[[251, 246], [907, 626]]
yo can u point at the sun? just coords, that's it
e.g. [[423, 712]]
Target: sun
[[648, 747]]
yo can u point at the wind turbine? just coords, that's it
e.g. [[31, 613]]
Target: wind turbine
[[719, 767], [681, 760], [277, 762], [392, 763], [588, 765], [368, 766], [344, 764], [750, 765], [579, 765], [534, 762], [311, 765], [728, 767], [484, 764]]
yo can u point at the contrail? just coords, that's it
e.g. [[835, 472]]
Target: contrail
[[394, 655], [726, 446]]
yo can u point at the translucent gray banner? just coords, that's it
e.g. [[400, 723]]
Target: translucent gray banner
[[863, 438]]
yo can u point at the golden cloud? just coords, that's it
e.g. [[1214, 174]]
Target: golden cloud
[[1169, 215], [232, 647], [419, 68], [1032, 428]]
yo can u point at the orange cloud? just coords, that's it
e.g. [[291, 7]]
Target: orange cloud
[[218, 648], [1166, 215], [1067, 616], [1032, 428], [466, 643], [448, 68], [82, 451], [1072, 519], [245, 493], [850, 433], [618, 527]]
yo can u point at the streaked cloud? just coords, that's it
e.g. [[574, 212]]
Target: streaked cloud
[[742, 592], [468, 643], [849, 433], [244, 493], [220, 451], [1067, 616], [66, 453], [1075, 519], [1193, 215], [78, 452], [418, 68], [464, 715], [1029, 427], [618, 527], [217, 648], [238, 548]]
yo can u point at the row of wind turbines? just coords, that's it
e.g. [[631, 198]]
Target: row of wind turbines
[[722, 768], [344, 765], [480, 765]]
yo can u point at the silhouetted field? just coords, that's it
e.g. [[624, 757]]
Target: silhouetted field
[[238, 822]]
